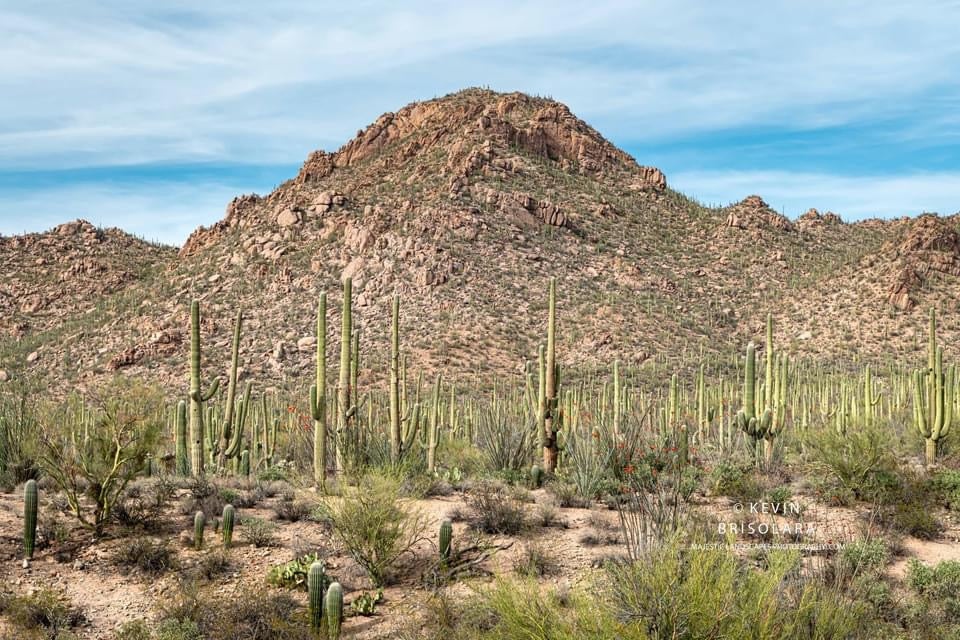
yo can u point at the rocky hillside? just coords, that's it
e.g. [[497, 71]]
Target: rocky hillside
[[466, 206]]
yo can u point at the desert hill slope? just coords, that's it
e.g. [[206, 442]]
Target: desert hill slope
[[465, 206]]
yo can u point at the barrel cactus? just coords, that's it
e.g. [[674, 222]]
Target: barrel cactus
[[334, 610], [228, 517], [30, 500], [536, 476]]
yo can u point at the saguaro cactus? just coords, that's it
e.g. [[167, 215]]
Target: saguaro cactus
[[197, 397], [227, 525], [199, 522], [315, 580], [344, 409], [433, 437], [551, 418], [395, 435], [228, 428], [933, 397], [765, 420], [318, 399], [182, 455], [446, 539], [334, 610], [30, 501]]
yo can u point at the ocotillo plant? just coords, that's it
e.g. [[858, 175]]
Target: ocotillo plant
[[182, 457], [30, 501], [197, 397], [318, 398], [334, 610], [228, 517], [315, 580]]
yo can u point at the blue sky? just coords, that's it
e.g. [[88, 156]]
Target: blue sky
[[151, 116]]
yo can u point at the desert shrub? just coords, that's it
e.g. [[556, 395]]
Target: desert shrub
[[567, 496], [704, 592], [942, 580], [169, 629], [548, 515], [855, 458], [212, 565], [535, 561], [495, 510], [376, 526], [945, 485], [864, 556], [143, 503], [44, 611], [258, 532], [292, 510], [92, 464], [910, 510], [253, 614], [735, 481], [293, 574], [150, 557]]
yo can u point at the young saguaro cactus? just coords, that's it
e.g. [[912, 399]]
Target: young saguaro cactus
[[30, 501], [229, 514], [433, 437], [446, 539], [199, 522], [334, 610], [315, 580], [182, 455], [197, 396], [229, 431], [318, 398]]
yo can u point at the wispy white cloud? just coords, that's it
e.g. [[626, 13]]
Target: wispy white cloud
[[111, 81], [853, 198]]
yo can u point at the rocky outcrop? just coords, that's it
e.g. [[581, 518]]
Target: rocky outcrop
[[931, 245], [813, 219], [753, 213]]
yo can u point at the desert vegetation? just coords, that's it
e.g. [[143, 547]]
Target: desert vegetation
[[751, 496]]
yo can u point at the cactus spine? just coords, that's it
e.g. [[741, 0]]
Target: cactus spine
[[30, 500], [446, 537], [344, 409], [551, 421], [334, 610], [933, 414], [318, 399], [227, 525], [197, 397], [182, 455], [315, 579], [199, 522]]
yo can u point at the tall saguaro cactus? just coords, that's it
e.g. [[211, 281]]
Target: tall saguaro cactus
[[433, 435], [318, 399], [933, 396], [765, 420], [197, 397], [551, 418], [182, 455], [345, 410], [395, 435], [230, 425]]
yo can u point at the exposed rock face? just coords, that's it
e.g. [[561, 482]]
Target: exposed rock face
[[752, 213], [813, 219], [930, 245]]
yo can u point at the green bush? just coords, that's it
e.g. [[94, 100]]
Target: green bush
[[864, 556], [44, 611], [945, 484], [494, 509], [150, 557], [860, 460], [376, 525], [735, 481]]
